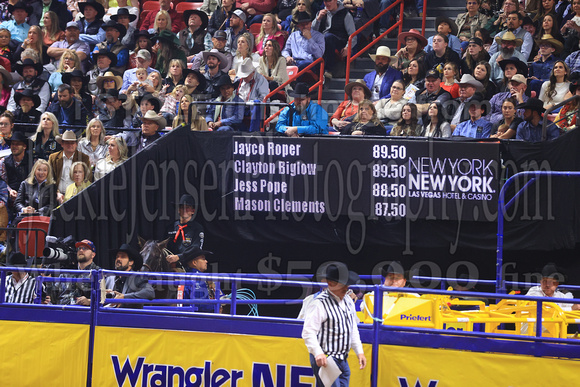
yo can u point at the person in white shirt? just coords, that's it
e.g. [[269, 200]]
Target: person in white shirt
[[552, 276]]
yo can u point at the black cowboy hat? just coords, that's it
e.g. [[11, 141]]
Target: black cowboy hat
[[532, 104], [451, 23], [225, 81], [196, 252], [107, 53], [338, 272], [123, 12], [96, 5], [113, 24], [28, 62], [302, 17], [139, 34], [16, 259], [20, 5], [19, 136], [132, 254], [522, 67], [550, 270], [200, 78], [152, 99], [394, 267], [27, 93], [574, 82], [186, 200], [301, 90], [66, 77], [113, 93], [202, 15]]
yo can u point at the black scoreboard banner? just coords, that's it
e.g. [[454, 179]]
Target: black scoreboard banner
[[378, 178]]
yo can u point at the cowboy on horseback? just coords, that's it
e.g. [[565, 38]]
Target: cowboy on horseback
[[185, 235]]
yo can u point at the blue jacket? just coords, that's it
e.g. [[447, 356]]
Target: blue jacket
[[390, 76], [232, 115], [200, 292], [313, 121]]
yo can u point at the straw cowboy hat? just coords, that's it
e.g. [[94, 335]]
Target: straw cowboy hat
[[509, 37], [547, 38], [152, 116], [413, 33], [468, 79], [109, 75], [360, 83], [383, 51]]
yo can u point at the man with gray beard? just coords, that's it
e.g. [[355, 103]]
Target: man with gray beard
[[508, 43]]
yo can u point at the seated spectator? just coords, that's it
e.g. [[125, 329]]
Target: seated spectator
[[389, 109], [566, 118], [517, 90], [514, 27], [269, 30], [6, 82], [476, 126], [357, 92], [549, 26], [547, 7], [69, 61], [555, 90], [511, 67], [381, 79], [485, 37], [507, 127], [114, 32], [481, 73], [169, 108], [133, 287], [145, 103], [144, 62], [475, 53], [7, 48], [20, 287], [6, 127], [117, 153], [166, 49], [365, 122], [15, 167], [441, 54], [236, 28], [531, 129], [174, 22], [408, 124], [435, 125], [336, 24], [58, 8], [508, 42], [243, 52], [552, 277], [127, 17], [413, 50], [447, 28], [195, 83], [105, 61], [225, 117], [194, 38], [499, 22], [68, 110], [37, 194], [71, 42], [17, 26], [111, 111], [93, 144], [362, 12], [79, 173], [142, 42], [255, 7], [108, 81], [61, 162], [45, 142], [188, 115], [90, 25], [219, 43], [305, 45], [272, 65], [175, 76], [209, 6], [414, 80], [252, 87], [303, 116], [530, 26], [151, 124], [470, 21], [450, 79], [34, 42], [469, 89], [432, 92], [26, 111], [30, 72], [216, 63], [220, 16], [79, 84], [540, 69], [196, 262], [571, 29], [288, 14]]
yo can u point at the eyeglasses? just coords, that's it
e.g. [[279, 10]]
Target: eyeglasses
[[396, 88], [4, 124], [82, 248]]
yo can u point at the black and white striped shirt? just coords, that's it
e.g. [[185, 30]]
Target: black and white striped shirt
[[20, 292], [331, 328]]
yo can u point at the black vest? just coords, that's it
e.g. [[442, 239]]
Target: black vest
[[17, 174], [337, 27], [91, 28]]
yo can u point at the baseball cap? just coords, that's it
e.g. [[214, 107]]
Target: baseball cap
[[87, 243], [144, 54]]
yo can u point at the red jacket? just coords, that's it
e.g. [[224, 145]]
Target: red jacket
[[261, 6], [177, 23]]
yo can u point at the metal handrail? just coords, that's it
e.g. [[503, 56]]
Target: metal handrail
[[557, 106], [318, 84], [350, 58]]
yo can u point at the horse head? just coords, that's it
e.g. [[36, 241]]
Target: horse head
[[154, 254]]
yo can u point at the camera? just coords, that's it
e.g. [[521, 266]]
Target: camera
[[60, 251]]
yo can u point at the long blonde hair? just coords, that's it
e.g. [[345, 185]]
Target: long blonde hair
[[54, 28], [31, 176], [88, 130], [181, 115], [262, 34], [39, 41], [166, 14], [54, 121], [69, 54], [248, 38], [122, 145]]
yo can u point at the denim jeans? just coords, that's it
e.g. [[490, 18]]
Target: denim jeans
[[342, 380]]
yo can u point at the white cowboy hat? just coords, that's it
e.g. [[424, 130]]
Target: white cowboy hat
[[246, 68], [468, 79], [383, 51], [152, 116]]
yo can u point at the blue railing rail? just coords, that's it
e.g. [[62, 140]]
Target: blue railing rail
[[502, 207]]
